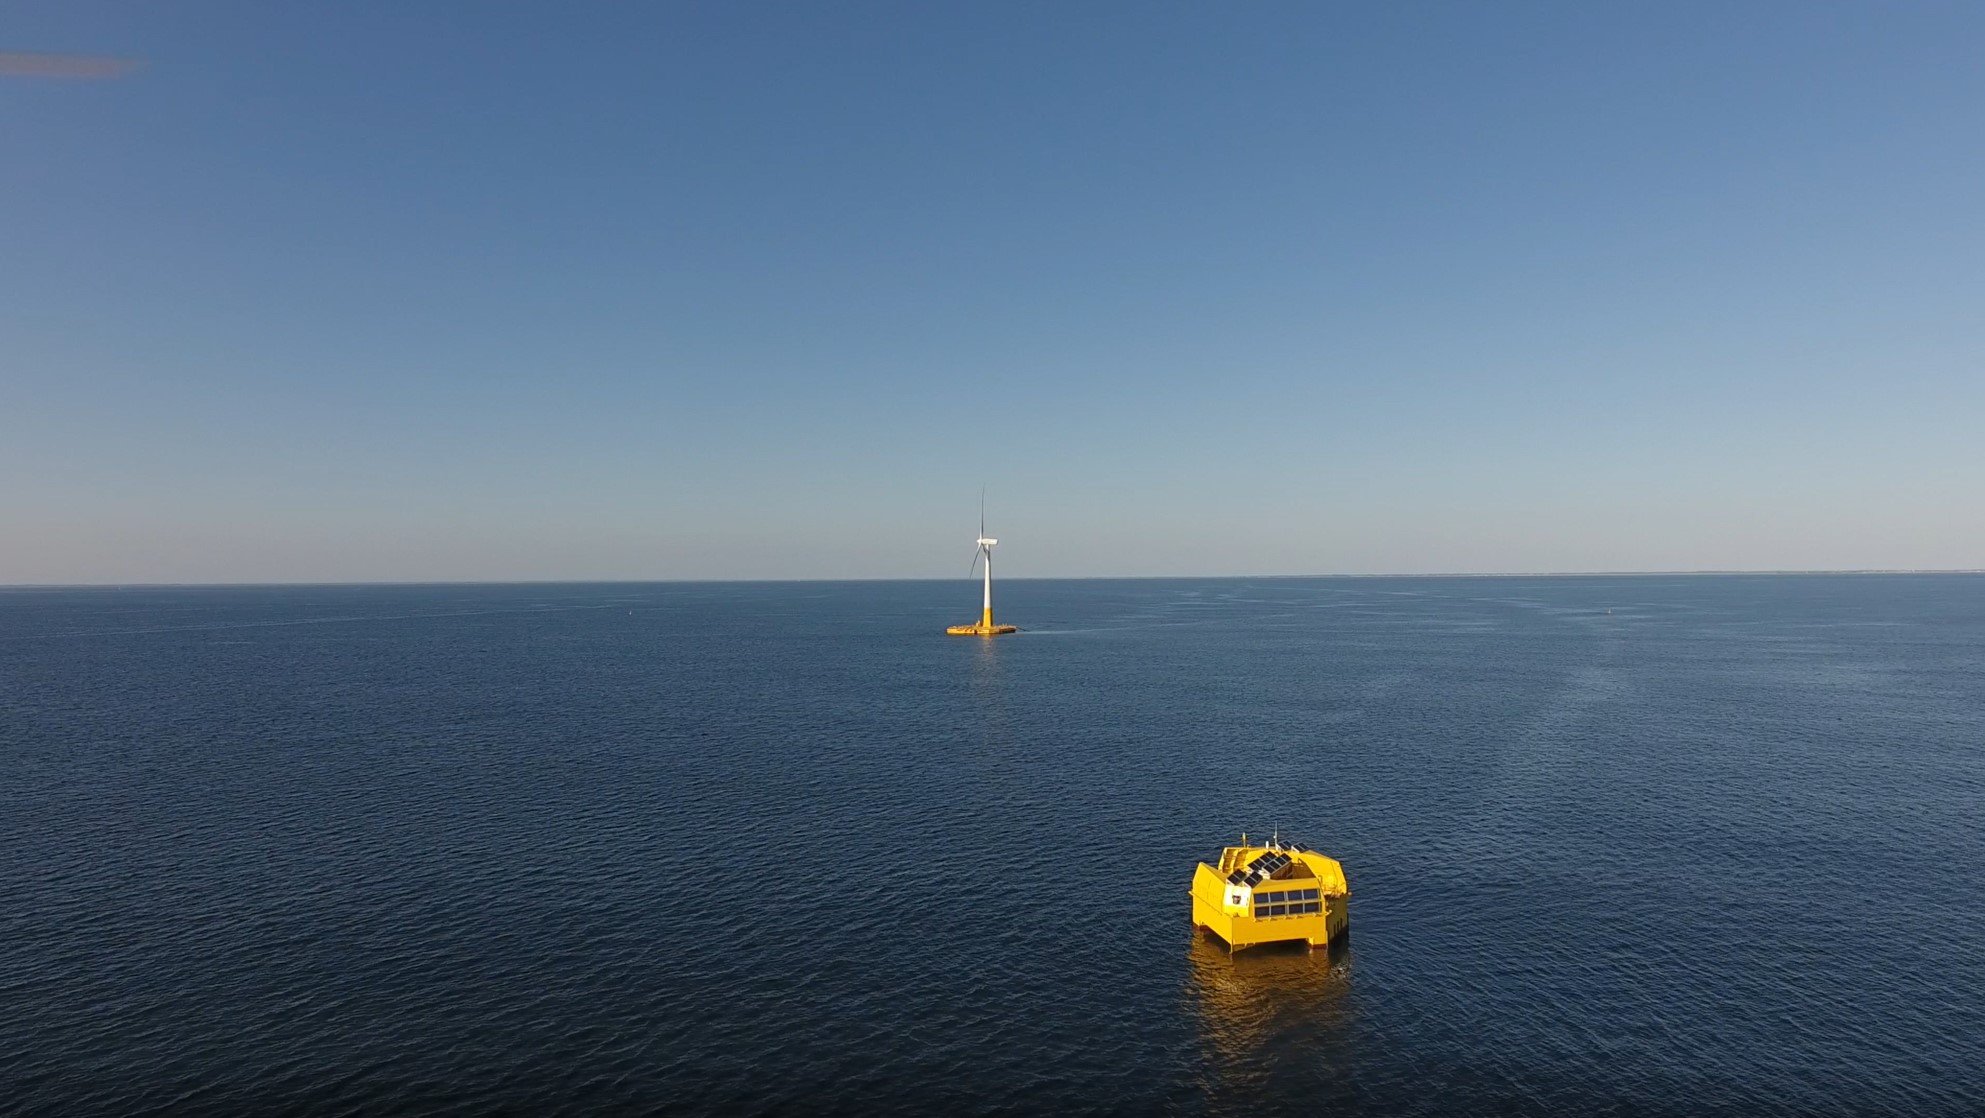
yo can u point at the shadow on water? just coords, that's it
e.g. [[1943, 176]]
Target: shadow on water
[[1273, 1020]]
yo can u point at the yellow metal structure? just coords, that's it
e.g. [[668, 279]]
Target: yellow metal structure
[[1271, 893], [985, 627]]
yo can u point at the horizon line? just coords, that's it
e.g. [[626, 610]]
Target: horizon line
[[1700, 572]]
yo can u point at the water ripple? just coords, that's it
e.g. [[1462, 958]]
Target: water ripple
[[767, 849]]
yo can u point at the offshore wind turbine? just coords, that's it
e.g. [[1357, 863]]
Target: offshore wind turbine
[[985, 627]]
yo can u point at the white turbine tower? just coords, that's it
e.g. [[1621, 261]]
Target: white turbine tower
[[985, 552], [985, 627]]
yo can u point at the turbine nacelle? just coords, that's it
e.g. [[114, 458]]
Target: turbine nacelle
[[984, 542]]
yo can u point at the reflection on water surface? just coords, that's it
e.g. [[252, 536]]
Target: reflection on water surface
[[1269, 1017]]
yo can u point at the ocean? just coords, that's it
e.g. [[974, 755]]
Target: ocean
[[1655, 845]]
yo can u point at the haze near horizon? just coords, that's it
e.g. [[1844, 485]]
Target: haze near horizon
[[465, 293]]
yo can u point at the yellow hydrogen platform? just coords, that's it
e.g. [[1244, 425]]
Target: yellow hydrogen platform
[[1274, 893], [985, 627]]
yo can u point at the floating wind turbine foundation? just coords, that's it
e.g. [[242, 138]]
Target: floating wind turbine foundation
[[985, 627]]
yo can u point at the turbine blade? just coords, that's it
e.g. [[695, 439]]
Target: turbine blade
[[974, 568], [982, 512]]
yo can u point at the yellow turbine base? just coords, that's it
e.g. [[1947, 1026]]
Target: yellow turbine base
[[985, 627], [981, 630]]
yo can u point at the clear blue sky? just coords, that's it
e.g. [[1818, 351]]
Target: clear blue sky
[[476, 291]]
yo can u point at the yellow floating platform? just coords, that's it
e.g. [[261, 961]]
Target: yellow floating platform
[[1275, 893], [985, 627], [981, 630]]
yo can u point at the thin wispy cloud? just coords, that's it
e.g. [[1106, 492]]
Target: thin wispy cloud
[[83, 67]]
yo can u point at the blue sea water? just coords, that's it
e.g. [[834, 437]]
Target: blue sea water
[[1649, 845]]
